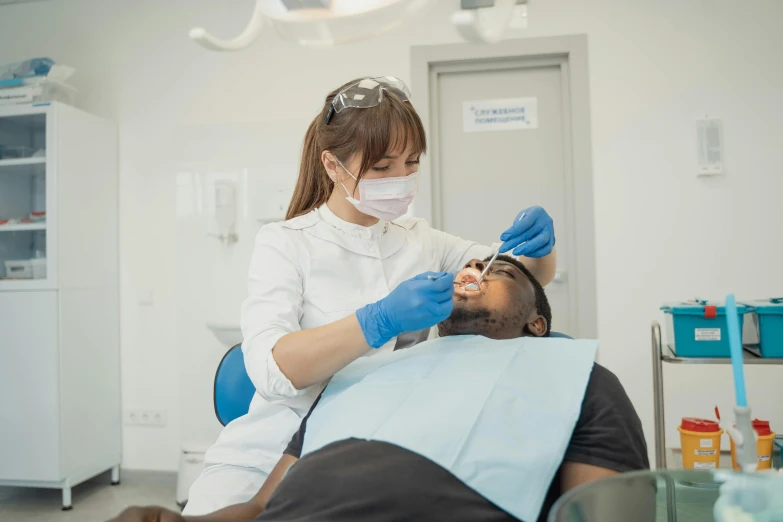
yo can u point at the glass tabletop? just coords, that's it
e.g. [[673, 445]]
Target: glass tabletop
[[675, 496]]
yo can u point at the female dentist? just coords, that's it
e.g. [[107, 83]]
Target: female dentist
[[344, 276]]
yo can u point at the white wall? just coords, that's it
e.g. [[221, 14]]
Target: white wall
[[661, 233]]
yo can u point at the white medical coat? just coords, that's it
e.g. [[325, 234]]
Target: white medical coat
[[307, 272]]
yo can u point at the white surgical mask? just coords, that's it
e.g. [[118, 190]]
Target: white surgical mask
[[384, 198]]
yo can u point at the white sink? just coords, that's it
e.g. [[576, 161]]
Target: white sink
[[228, 334]]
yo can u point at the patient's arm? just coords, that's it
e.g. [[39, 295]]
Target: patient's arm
[[574, 474], [271, 483], [256, 505], [245, 511], [613, 501], [608, 440]]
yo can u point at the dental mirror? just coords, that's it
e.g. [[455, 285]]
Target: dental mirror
[[475, 286]]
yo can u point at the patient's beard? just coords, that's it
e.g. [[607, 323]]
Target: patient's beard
[[464, 321]]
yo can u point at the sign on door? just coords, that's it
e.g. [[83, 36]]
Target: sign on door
[[500, 115]]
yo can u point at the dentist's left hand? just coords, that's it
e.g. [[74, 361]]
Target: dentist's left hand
[[531, 235]]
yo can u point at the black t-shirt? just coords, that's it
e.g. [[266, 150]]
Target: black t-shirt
[[355, 479]]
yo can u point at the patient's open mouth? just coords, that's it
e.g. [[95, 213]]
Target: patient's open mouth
[[467, 280]]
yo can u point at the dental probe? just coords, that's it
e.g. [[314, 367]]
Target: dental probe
[[475, 286]]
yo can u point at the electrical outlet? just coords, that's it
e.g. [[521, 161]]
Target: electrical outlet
[[145, 417]]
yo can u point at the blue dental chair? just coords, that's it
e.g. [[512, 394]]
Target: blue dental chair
[[233, 389]]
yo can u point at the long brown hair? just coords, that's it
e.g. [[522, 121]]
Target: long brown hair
[[371, 132]]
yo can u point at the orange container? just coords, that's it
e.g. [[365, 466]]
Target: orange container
[[700, 439], [764, 445]]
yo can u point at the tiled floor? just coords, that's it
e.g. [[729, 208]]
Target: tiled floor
[[93, 501]]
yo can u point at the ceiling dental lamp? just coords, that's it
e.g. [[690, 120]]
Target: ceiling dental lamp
[[325, 23]]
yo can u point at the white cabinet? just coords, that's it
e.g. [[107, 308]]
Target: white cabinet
[[60, 411]]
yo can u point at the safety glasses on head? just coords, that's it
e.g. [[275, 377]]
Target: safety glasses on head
[[367, 93]]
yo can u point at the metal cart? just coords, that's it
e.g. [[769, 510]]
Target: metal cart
[[663, 354]]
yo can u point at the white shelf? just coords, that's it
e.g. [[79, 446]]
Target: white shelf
[[22, 227], [21, 161]]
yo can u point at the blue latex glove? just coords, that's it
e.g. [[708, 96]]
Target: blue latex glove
[[415, 304], [531, 235]]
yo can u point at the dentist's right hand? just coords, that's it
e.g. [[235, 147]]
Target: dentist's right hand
[[416, 304], [309, 357]]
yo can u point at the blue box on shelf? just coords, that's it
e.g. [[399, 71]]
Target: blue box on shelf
[[767, 327], [698, 328]]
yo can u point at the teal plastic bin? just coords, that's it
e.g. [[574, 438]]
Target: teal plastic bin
[[699, 328], [767, 317]]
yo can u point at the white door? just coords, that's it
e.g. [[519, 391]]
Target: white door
[[482, 178]]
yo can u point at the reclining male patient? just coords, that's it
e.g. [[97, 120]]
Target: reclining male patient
[[460, 428]]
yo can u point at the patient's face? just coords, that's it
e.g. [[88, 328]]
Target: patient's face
[[504, 306]]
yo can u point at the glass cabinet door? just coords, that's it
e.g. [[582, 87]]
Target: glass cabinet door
[[23, 238]]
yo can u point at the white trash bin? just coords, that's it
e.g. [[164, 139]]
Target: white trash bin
[[191, 463]]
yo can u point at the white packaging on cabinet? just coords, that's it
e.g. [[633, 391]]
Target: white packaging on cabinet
[[21, 269]]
